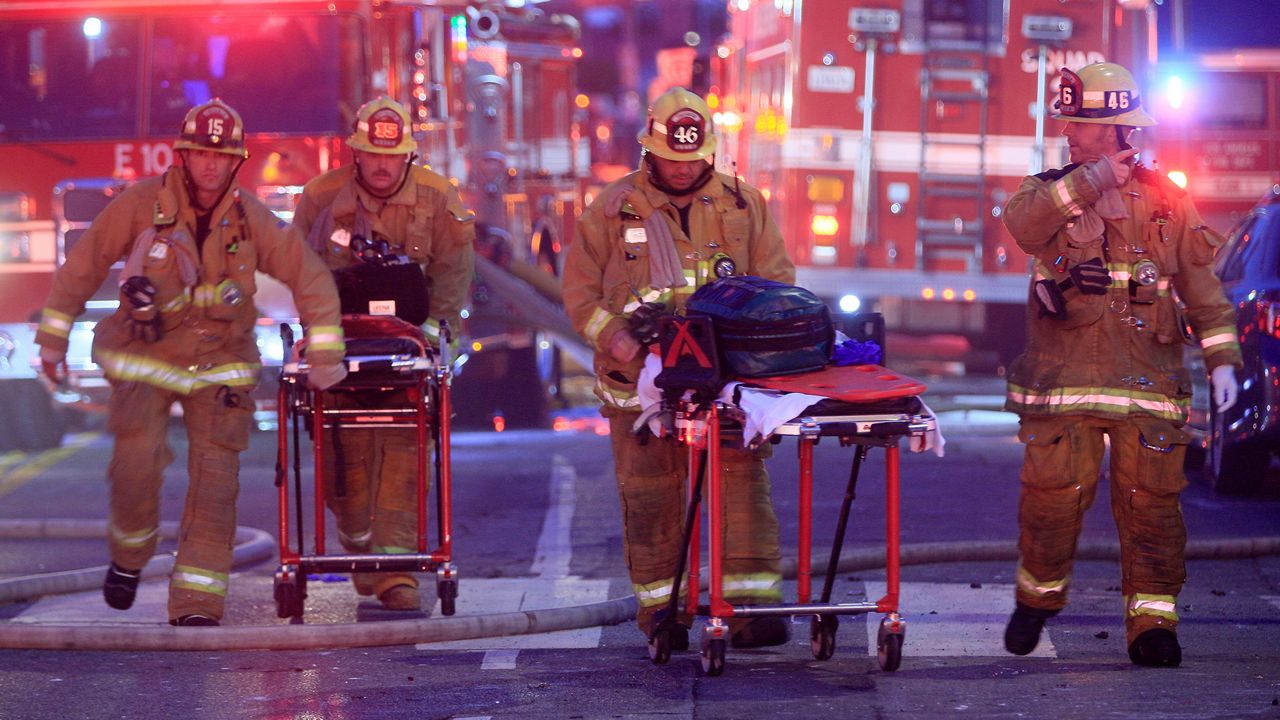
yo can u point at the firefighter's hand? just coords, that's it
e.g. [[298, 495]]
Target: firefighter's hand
[[54, 364], [1110, 171], [1225, 388], [1091, 277], [644, 322], [323, 377], [623, 347]]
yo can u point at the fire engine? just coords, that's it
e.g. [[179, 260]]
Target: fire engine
[[1219, 131], [95, 90], [888, 136]]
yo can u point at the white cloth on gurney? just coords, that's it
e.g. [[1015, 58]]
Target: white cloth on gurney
[[764, 410]]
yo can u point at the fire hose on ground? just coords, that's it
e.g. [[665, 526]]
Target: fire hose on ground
[[255, 545]]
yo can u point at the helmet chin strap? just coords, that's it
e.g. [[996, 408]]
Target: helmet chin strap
[[657, 181], [404, 177]]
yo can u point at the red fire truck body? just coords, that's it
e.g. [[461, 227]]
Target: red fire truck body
[[901, 208], [1219, 131], [95, 91]]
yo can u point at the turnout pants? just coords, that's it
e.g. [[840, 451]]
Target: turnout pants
[[218, 420], [371, 489], [652, 487], [1059, 478]]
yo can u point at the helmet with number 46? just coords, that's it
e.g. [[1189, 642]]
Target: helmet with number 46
[[1102, 93], [680, 127]]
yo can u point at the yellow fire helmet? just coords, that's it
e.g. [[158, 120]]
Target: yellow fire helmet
[[1103, 93], [383, 127], [680, 127], [213, 126]]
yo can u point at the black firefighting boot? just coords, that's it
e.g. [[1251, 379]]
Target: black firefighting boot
[[1157, 647], [677, 630], [1022, 634], [194, 620], [120, 587]]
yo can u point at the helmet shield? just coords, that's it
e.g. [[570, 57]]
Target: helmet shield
[[382, 126], [680, 127]]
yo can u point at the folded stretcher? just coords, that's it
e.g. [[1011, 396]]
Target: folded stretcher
[[863, 406], [384, 355]]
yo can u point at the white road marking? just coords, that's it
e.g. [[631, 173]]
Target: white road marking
[[504, 659], [1273, 599], [555, 543], [88, 608], [952, 619]]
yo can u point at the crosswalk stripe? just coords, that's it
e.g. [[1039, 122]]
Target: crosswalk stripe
[[953, 620]]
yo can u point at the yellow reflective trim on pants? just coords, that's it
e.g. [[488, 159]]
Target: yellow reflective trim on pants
[[654, 593], [200, 580], [1163, 606], [393, 550], [134, 539], [360, 540], [617, 398], [1029, 584], [753, 585]]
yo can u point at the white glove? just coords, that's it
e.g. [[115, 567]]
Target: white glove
[[323, 377], [54, 364], [1225, 387]]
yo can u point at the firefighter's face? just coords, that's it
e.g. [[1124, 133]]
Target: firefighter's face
[[210, 171], [1090, 141], [380, 172], [678, 174]]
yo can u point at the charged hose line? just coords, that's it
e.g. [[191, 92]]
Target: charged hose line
[[404, 632]]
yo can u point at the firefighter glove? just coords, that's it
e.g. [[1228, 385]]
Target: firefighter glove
[[54, 364], [144, 316], [644, 322], [1091, 277], [323, 377], [1052, 302], [1225, 387]]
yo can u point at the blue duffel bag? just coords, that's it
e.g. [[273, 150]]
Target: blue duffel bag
[[764, 327]]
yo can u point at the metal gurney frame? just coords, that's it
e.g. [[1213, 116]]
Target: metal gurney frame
[[410, 366], [890, 414]]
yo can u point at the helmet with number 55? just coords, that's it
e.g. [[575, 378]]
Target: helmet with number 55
[[680, 127], [1102, 93]]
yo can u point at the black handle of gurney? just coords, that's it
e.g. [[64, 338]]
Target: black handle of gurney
[[695, 500], [849, 495], [286, 339]]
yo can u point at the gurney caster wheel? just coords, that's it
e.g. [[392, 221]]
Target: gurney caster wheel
[[822, 636], [448, 592], [889, 643], [660, 647], [290, 592], [713, 657]]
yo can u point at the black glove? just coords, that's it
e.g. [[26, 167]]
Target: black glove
[[144, 316], [1052, 302], [1091, 277], [644, 322]]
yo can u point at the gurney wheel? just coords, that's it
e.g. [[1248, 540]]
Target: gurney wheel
[[660, 647], [448, 592], [290, 593], [713, 657], [822, 636], [889, 644]]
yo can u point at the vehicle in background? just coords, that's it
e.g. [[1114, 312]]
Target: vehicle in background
[[1219, 129], [888, 139], [94, 92], [1244, 440]]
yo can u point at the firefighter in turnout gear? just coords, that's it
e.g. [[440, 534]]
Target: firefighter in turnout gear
[[1116, 248], [655, 236], [383, 200], [190, 242]]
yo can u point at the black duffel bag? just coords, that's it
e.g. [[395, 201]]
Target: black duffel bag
[[764, 327], [373, 289]]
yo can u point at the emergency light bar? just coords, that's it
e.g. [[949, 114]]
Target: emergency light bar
[[880, 21], [1046, 28]]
